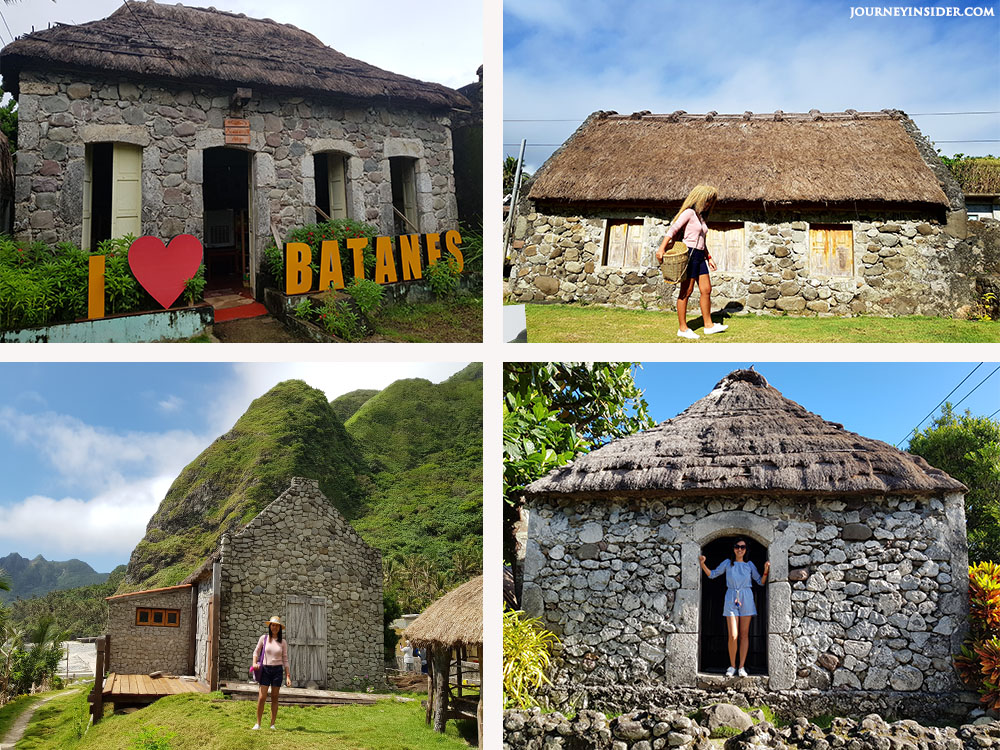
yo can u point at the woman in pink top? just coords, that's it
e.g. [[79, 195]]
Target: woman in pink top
[[691, 219], [271, 659]]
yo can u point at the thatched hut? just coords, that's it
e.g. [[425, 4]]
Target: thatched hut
[[166, 119], [450, 629], [980, 182], [867, 597], [819, 213]]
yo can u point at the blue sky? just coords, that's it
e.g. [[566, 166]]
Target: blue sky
[[875, 399], [87, 451], [564, 59]]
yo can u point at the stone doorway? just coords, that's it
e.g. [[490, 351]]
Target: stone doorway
[[713, 651], [227, 237]]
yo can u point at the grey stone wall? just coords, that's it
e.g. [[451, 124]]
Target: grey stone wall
[[300, 545], [904, 264], [59, 113], [141, 649], [864, 595]]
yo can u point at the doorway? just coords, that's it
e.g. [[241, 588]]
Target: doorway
[[306, 632], [226, 191], [713, 649]]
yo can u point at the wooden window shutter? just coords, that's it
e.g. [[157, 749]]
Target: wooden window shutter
[[410, 191], [633, 246], [615, 254], [88, 196], [126, 190], [337, 180], [623, 244], [831, 250], [725, 243]]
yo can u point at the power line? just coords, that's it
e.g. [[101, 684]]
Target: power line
[[939, 404], [980, 383], [9, 32]]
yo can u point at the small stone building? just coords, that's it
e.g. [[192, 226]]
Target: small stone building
[[841, 213], [166, 119], [867, 597], [298, 558]]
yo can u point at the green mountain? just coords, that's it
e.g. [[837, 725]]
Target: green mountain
[[39, 576], [289, 431], [79, 611], [345, 406]]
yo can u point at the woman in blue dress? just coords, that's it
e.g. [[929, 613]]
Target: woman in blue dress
[[739, 606]]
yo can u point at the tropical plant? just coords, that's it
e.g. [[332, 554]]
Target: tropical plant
[[366, 293], [509, 171], [195, 286], [527, 654], [443, 277], [979, 661]]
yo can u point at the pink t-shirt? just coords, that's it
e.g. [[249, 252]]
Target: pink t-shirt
[[274, 653], [694, 229]]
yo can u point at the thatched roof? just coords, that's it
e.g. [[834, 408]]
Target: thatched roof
[[204, 45], [979, 176], [745, 437], [456, 619], [781, 158]]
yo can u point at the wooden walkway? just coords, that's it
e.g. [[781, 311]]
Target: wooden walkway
[[297, 696], [141, 688]]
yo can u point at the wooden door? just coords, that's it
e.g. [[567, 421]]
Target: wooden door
[[126, 190], [88, 195], [337, 185], [831, 250], [306, 633]]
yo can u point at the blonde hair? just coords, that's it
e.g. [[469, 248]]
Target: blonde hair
[[699, 197]]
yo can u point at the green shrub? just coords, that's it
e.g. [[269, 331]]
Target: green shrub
[[366, 293], [442, 277], [194, 287], [527, 653], [724, 731], [305, 310], [339, 319], [151, 738], [313, 235]]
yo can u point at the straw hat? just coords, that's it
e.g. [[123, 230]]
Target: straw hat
[[276, 620]]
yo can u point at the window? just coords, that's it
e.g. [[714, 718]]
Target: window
[[112, 192], [403, 174], [331, 185], [831, 250], [623, 243], [163, 618], [725, 244]]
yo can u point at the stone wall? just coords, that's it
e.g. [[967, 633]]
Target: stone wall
[[904, 264], [141, 649], [59, 113], [864, 595], [299, 545]]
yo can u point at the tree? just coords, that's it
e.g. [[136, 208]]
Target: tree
[[509, 171], [8, 120], [554, 411], [968, 448]]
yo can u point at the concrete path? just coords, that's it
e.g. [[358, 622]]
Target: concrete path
[[16, 731]]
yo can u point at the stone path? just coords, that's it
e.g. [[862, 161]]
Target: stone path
[[16, 732]]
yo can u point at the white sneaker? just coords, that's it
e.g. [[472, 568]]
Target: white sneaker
[[687, 333], [255, 726], [273, 727], [731, 672], [717, 328], [741, 673]]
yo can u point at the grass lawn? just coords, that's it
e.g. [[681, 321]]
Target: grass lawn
[[207, 722], [10, 711], [459, 319], [59, 723], [577, 323]]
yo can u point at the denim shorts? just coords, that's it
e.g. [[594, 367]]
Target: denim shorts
[[697, 263], [271, 675]]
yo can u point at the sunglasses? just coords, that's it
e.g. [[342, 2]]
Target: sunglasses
[[739, 546]]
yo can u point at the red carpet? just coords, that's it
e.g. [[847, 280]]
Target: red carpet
[[253, 310]]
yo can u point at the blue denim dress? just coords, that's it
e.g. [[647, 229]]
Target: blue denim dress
[[739, 594]]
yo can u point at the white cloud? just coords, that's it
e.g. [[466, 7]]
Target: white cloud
[[171, 403]]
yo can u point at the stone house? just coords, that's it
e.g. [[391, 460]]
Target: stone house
[[319, 576], [166, 119], [818, 214], [867, 597]]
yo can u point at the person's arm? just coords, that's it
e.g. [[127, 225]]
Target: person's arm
[[672, 232], [767, 571], [284, 662], [714, 573], [256, 652]]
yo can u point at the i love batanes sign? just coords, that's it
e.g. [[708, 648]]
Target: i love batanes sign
[[398, 259]]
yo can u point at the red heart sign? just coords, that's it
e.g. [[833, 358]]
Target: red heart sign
[[162, 269]]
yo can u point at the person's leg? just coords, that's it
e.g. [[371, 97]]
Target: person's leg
[[731, 623], [683, 292], [261, 697], [705, 292], [744, 639], [274, 703]]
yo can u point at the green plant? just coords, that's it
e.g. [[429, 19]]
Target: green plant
[[987, 308], [443, 277], [151, 738], [724, 731], [305, 310], [195, 286], [339, 319], [979, 661], [527, 654], [366, 294]]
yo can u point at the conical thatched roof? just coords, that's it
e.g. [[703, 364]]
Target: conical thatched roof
[[745, 437], [456, 619], [781, 158], [978, 176], [204, 45]]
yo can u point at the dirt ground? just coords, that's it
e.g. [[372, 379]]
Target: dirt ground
[[265, 329]]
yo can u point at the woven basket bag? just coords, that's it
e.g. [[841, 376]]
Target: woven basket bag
[[675, 262]]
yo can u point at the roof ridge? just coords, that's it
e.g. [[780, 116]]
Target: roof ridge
[[778, 115]]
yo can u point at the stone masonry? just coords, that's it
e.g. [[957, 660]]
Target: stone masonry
[[59, 114], [300, 545], [866, 596], [140, 649], [904, 264]]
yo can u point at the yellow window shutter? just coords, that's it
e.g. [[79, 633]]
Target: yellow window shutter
[[831, 250], [337, 179], [126, 190], [88, 198]]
